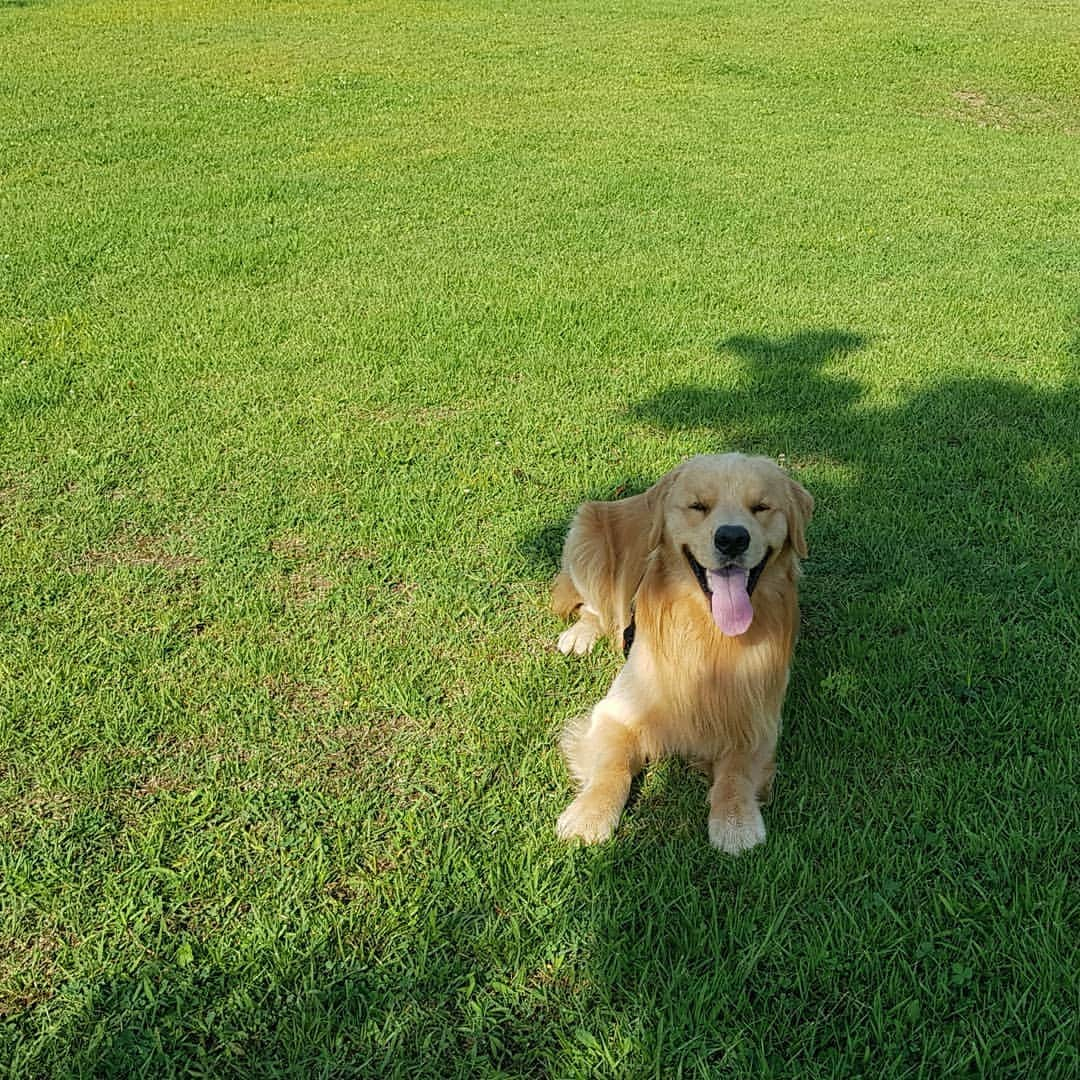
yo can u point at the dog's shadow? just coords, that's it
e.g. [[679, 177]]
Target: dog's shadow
[[542, 546]]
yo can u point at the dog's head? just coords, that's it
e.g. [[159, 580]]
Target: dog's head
[[726, 516]]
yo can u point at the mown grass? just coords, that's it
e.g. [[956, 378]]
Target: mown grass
[[317, 321]]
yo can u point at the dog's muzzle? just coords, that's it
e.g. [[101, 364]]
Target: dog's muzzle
[[703, 578]]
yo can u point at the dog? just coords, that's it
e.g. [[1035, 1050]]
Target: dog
[[697, 579]]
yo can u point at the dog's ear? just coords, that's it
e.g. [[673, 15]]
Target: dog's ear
[[800, 508], [656, 504]]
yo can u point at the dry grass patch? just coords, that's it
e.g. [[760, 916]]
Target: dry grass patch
[[974, 107], [134, 551], [305, 585], [303, 582], [28, 968], [289, 546], [292, 695]]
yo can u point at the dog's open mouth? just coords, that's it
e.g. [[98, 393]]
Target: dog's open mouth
[[728, 591]]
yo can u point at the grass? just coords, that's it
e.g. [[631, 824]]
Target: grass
[[316, 322]]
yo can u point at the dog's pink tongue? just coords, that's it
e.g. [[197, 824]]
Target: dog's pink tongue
[[731, 610]]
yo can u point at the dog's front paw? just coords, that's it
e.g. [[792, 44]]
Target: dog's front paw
[[737, 831], [577, 639], [588, 819]]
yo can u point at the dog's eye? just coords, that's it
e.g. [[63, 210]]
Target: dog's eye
[[759, 508], [700, 507]]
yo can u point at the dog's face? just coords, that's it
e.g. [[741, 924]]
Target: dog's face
[[728, 515]]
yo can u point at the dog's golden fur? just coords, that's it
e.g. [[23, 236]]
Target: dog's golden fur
[[687, 688]]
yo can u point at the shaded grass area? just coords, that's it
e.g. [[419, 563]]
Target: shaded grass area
[[316, 323]]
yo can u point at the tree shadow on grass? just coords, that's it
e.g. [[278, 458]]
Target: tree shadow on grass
[[940, 518], [788, 381], [941, 606], [942, 527]]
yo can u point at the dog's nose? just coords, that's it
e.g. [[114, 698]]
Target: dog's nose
[[731, 540]]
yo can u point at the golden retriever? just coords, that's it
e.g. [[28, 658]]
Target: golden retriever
[[696, 578]]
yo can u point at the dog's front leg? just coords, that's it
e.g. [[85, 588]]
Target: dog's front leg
[[740, 778], [603, 755]]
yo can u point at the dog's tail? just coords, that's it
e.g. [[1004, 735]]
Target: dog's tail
[[565, 599], [571, 744]]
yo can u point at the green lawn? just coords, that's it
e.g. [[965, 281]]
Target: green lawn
[[316, 322]]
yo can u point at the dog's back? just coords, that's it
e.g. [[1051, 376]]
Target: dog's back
[[603, 561]]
